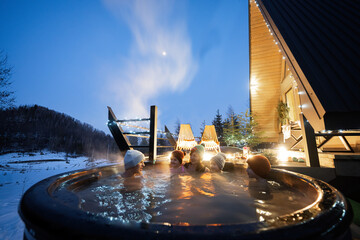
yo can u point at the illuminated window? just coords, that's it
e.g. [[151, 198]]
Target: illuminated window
[[290, 101]]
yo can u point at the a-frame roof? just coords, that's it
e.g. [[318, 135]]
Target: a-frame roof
[[321, 41]]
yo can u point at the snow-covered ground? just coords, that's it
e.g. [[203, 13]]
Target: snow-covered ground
[[18, 172]]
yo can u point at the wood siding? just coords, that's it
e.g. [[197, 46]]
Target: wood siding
[[265, 75]]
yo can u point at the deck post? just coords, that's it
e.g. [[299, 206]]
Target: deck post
[[311, 153], [153, 134]]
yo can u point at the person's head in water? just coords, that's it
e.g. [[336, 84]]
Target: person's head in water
[[217, 162], [134, 163], [176, 159], [197, 154], [258, 167]]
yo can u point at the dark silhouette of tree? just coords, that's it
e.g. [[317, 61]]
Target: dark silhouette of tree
[[218, 124], [162, 140], [133, 140], [144, 142], [177, 127], [6, 96], [202, 128], [34, 128], [232, 116]]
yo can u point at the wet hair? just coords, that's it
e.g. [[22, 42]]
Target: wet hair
[[179, 155]]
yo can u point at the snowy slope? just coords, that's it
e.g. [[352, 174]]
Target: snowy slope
[[19, 172]]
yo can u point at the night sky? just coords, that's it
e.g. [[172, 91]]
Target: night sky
[[189, 58]]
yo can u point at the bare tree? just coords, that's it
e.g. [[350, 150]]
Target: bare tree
[[6, 97]]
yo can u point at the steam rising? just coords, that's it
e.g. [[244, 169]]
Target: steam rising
[[160, 58]]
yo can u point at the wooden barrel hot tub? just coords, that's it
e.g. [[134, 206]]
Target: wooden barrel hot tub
[[94, 204]]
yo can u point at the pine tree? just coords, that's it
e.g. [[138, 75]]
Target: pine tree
[[218, 124], [241, 129], [202, 127], [231, 130], [232, 115], [250, 135]]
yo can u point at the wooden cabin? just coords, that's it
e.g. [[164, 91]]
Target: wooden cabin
[[306, 54]]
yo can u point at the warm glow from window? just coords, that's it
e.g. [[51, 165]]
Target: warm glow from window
[[290, 101], [283, 154]]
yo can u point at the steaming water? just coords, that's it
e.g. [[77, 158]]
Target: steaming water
[[209, 198]]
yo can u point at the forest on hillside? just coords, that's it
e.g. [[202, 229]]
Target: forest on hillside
[[35, 128]]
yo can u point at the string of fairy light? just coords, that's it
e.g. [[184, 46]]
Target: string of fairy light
[[276, 42]]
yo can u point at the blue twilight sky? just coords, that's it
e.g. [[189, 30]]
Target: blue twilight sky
[[188, 57]]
